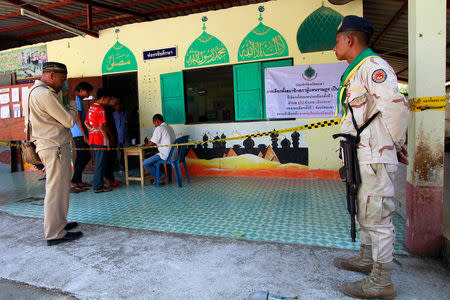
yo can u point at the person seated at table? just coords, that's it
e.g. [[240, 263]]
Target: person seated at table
[[163, 135]]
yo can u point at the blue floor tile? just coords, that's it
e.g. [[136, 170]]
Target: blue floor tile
[[303, 211]]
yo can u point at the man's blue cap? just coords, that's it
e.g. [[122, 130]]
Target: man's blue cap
[[356, 23]]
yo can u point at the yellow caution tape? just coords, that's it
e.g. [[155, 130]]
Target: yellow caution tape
[[426, 103], [322, 124], [237, 234]]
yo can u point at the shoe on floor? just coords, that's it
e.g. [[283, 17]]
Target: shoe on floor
[[70, 226], [361, 263], [103, 189], [377, 285], [77, 189], [115, 184], [70, 236]]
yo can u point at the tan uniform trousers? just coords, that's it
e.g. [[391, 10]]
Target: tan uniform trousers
[[57, 189], [375, 209]]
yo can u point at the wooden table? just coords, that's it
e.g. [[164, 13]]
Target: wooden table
[[142, 154]]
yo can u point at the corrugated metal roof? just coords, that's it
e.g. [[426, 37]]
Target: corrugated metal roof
[[393, 46], [16, 30]]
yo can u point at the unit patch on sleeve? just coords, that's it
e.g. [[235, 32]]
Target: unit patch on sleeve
[[379, 76]]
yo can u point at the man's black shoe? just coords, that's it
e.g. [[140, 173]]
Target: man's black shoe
[[70, 236], [70, 226]]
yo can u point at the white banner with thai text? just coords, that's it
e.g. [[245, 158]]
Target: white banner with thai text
[[307, 91]]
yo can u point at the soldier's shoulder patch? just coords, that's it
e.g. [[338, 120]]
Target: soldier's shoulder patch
[[379, 76]]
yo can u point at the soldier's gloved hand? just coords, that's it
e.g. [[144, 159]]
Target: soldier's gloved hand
[[402, 156]]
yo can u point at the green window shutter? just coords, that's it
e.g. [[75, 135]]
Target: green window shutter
[[271, 64], [248, 92], [172, 97]]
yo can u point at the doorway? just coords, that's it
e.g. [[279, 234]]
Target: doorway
[[125, 84]]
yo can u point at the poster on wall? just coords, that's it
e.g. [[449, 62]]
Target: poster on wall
[[15, 95], [4, 98], [16, 111], [25, 62], [306, 91], [4, 112]]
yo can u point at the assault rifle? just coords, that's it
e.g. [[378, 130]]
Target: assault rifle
[[350, 171], [350, 174]]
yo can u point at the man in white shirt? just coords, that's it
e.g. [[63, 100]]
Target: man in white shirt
[[163, 135]]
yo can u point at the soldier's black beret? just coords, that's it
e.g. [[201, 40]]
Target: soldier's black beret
[[55, 67], [356, 23]]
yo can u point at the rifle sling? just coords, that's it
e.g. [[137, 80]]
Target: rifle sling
[[360, 129]]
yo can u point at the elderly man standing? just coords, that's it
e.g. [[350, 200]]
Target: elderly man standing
[[51, 122], [369, 90]]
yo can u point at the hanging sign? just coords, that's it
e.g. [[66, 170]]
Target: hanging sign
[[307, 91], [160, 53]]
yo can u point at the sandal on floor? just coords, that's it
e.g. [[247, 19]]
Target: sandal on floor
[[103, 189], [84, 184], [115, 184], [77, 189]]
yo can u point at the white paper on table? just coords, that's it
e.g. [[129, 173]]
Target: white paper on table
[[15, 95], [25, 91], [4, 98], [16, 110], [4, 112], [4, 90]]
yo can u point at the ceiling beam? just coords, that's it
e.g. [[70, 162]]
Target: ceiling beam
[[47, 6], [401, 71], [89, 16], [184, 6], [122, 18], [111, 7], [390, 53], [391, 23], [67, 17], [164, 10], [37, 10]]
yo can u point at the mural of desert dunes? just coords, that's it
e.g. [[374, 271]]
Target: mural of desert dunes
[[250, 165]]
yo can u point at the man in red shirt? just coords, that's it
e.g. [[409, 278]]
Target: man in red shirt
[[99, 140]]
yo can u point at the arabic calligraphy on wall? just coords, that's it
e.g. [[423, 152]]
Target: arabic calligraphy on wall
[[262, 42], [206, 50], [119, 59]]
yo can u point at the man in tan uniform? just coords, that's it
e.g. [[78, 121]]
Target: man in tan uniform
[[369, 85], [51, 123]]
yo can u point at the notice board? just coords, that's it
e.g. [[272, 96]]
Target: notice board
[[304, 91], [12, 124]]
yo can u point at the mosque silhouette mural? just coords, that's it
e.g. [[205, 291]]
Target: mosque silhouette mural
[[279, 151], [281, 156]]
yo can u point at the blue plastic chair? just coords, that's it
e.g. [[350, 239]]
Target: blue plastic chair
[[175, 164]]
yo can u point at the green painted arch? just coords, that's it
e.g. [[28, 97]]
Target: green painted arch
[[318, 31], [206, 50], [119, 59], [262, 42]]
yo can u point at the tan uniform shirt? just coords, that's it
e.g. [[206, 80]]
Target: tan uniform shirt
[[50, 120], [373, 88]]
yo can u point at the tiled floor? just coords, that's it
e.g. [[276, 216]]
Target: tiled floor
[[303, 211]]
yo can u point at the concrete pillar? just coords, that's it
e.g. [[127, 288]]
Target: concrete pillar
[[426, 68]]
